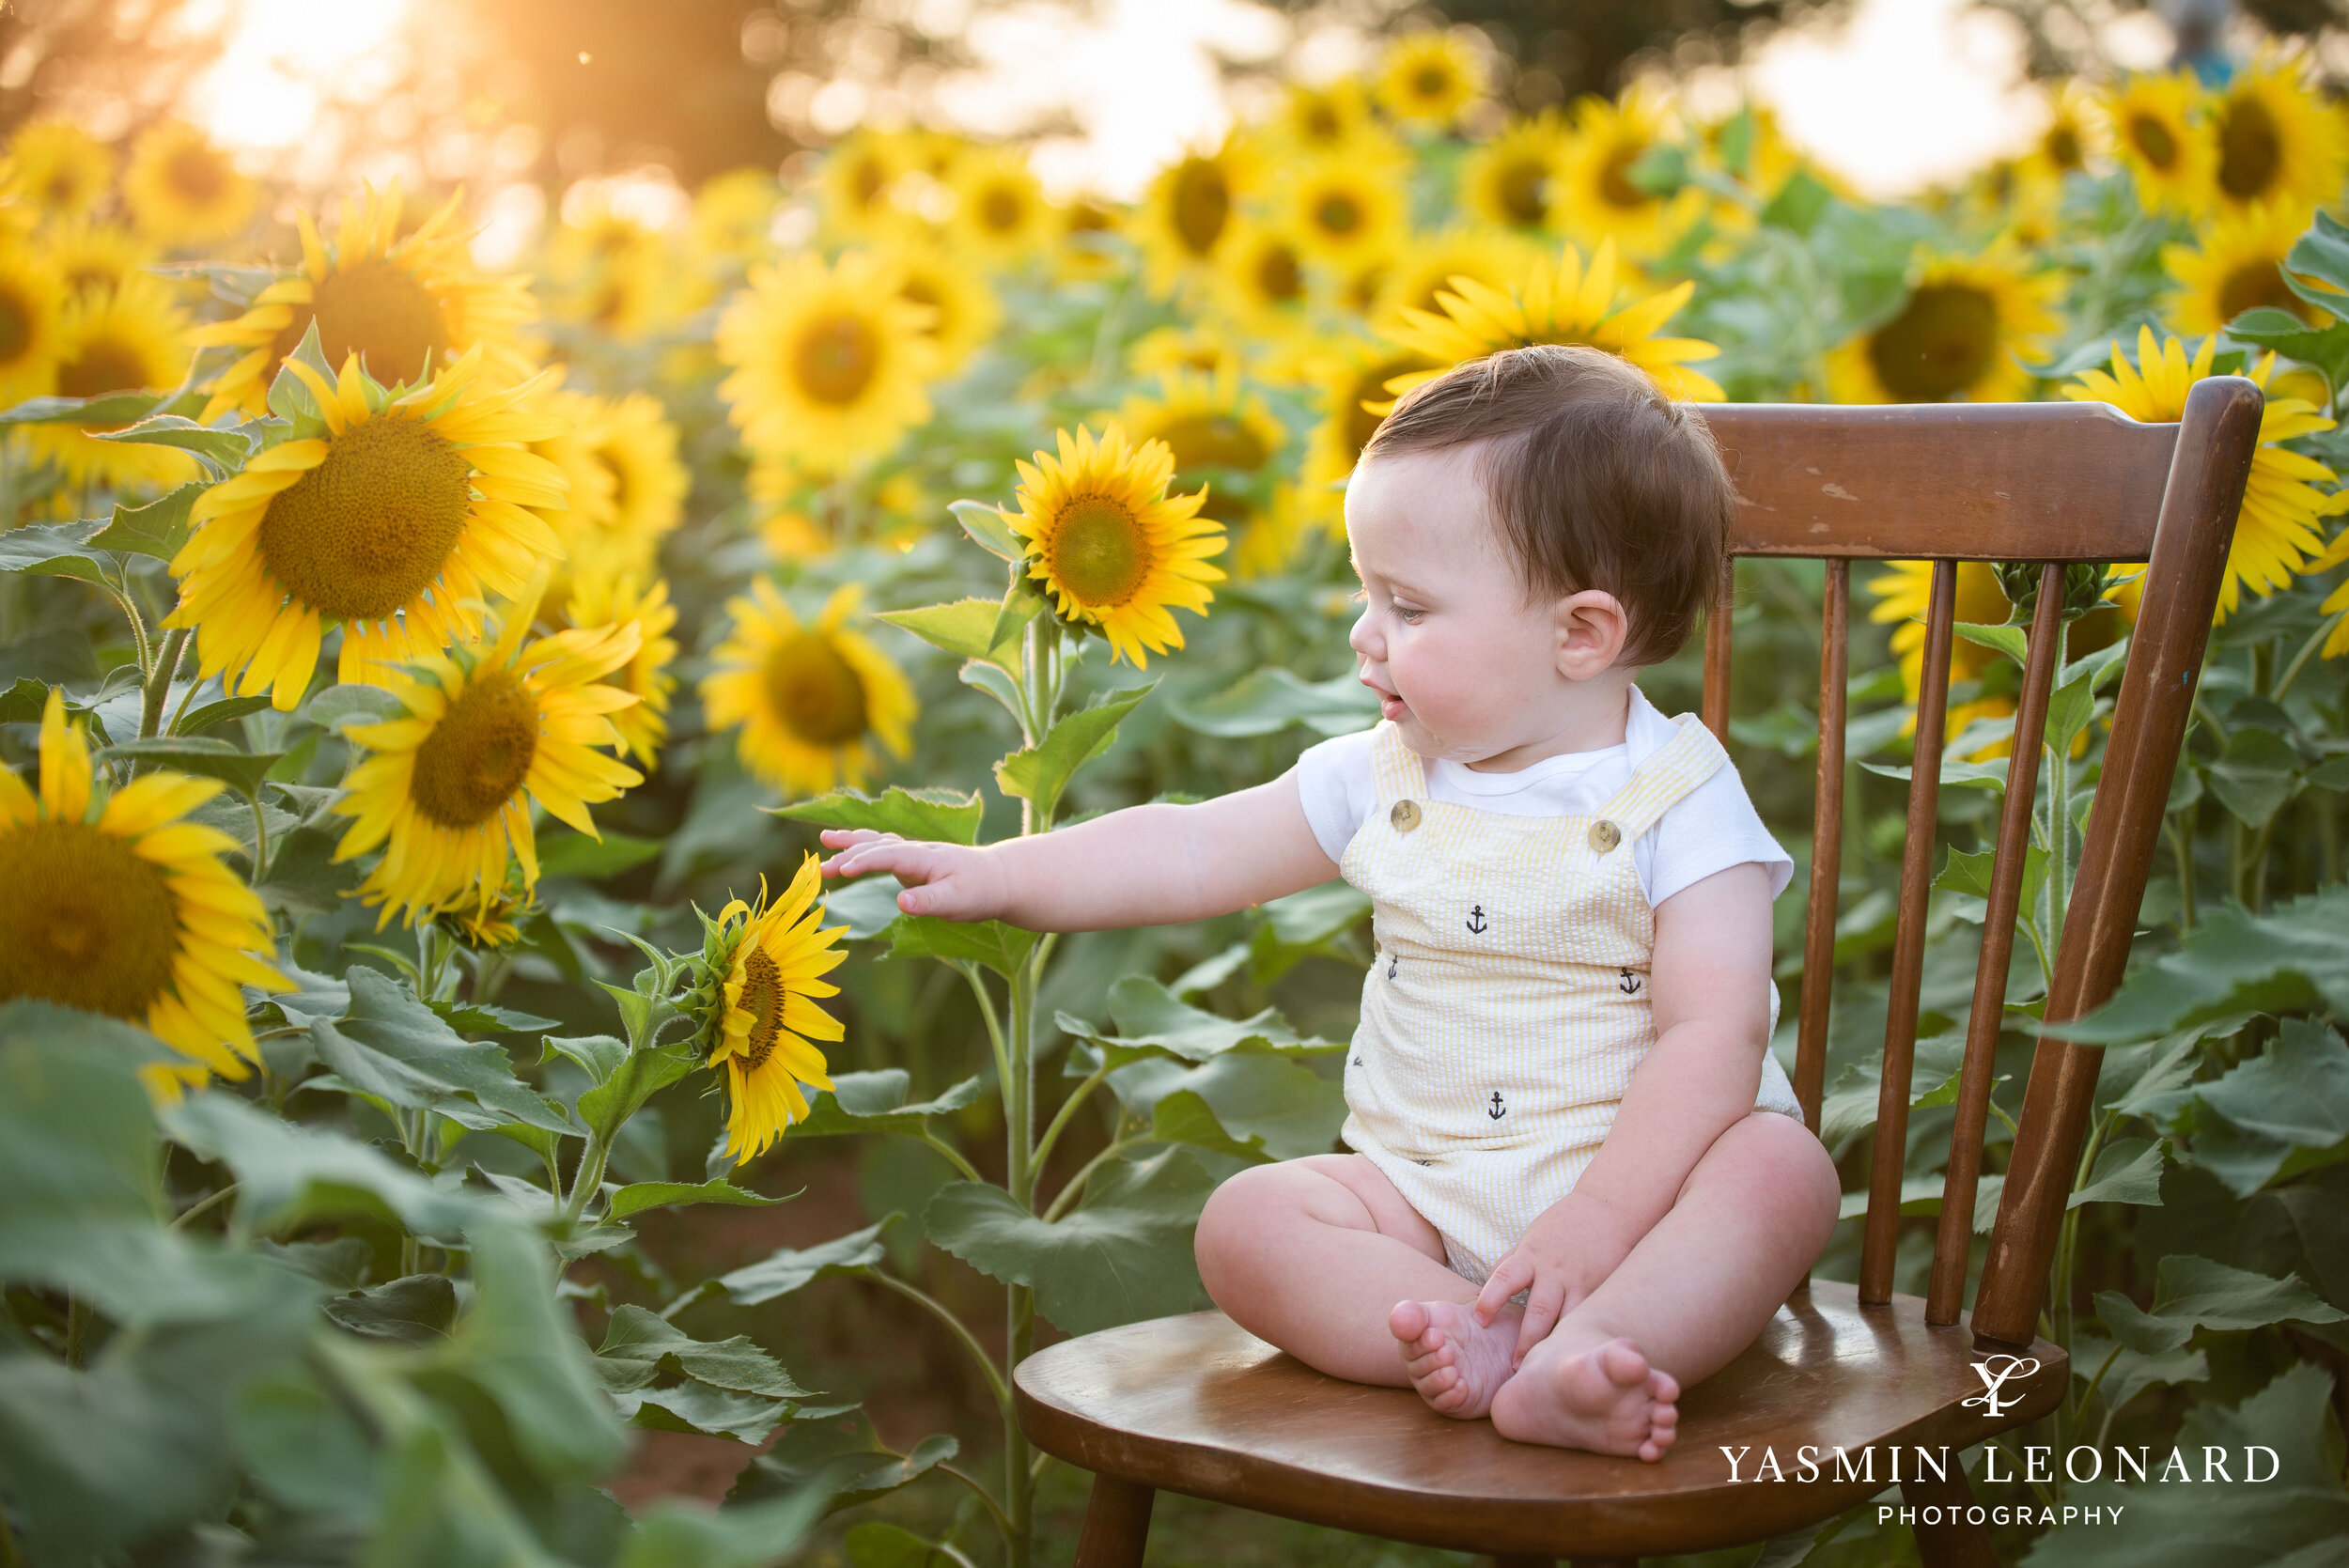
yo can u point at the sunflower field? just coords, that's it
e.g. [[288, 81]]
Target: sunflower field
[[443, 1099]]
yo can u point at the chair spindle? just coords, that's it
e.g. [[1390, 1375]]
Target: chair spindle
[[1827, 841], [1881, 1236], [1715, 703], [2215, 441], [1954, 1241]]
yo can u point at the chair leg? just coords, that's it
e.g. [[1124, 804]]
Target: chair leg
[[1117, 1524], [1951, 1543]]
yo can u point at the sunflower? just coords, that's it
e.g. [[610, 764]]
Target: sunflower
[[605, 598], [132, 914], [30, 287], [1000, 211], [767, 1019], [1110, 545], [963, 309], [181, 190], [445, 788], [2156, 131], [405, 303], [1594, 196], [1261, 284], [95, 259], [627, 486], [1342, 208], [2277, 532], [1558, 304], [1223, 440], [1089, 227], [2237, 267], [2279, 143], [829, 361], [60, 167], [1956, 338], [811, 699], [1188, 210], [859, 175], [1344, 384], [395, 518], [1180, 348], [1903, 594], [1319, 120], [1512, 181], [2076, 133], [129, 340], [733, 213], [1497, 259], [1427, 78]]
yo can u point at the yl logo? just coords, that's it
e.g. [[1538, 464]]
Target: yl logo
[[1496, 1110], [1628, 984], [1994, 1372], [1475, 921]]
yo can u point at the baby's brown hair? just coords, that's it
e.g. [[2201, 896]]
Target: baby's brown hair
[[1596, 480]]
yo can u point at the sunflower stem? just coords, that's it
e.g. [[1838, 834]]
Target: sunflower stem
[[2292, 671], [158, 690], [970, 1342]]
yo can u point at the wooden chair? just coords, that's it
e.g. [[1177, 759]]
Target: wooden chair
[[1196, 1405]]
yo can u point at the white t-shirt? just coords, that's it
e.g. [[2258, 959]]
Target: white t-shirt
[[1713, 828]]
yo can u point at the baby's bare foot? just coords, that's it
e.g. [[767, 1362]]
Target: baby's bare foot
[[1605, 1399], [1455, 1363]]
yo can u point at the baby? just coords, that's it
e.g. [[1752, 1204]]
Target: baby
[[1579, 1180]]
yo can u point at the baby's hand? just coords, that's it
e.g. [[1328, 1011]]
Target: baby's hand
[[1566, 1253], [950, 881]]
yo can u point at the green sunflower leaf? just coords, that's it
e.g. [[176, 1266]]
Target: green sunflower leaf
[[1265, 702], [577, 855], [56, 550], [1001, 948], [636, 1080], [1154, 1022], [640, 1196], [788, 1269], [985, 523], [241, 770], [393, 1046], [2191, 1293], [223, 451], [157, 529], [968, 628], [24, 701], [1040, 773], [213, 715], [112, 408], [925, 814], [876, 1103]]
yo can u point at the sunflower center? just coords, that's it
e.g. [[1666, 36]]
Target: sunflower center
[[363, 533], [1522, 190], [1614, 185], [1431, 82], [1099, 552], [1938, 347], [814, 691], [64, 189], [2062, 147], [1202, 205], [1001, 211], [2150, 137], [479, 752], [835, 359], [618, 471], [196, 173], [16, 326], [762, 998], [2258, 283], [866, 181], [376, 309], [1338, 214], [918, 291], [1216, 439], [1278, 277], [1321, 122], [2250, 149], [103, 365], [86, 922]]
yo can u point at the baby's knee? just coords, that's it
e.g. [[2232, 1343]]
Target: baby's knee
[[1795, 1163], [1247, 1214]]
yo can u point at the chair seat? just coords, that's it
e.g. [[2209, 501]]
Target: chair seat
[[1198, 1404]]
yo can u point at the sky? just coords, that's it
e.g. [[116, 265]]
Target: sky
[[1906, 92]]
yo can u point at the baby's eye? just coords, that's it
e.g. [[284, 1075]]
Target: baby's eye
[[1411, 616]]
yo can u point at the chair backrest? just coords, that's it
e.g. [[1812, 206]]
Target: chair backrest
[[2053, 482]]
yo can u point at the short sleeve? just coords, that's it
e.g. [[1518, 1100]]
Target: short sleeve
[[1713, 828], [1334, 780]]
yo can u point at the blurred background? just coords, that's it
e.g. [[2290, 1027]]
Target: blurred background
[[519, 98]]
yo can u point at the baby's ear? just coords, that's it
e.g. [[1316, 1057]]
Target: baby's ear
[[1591, 629]]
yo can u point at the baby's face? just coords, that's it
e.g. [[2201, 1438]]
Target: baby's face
[[1463, 664]]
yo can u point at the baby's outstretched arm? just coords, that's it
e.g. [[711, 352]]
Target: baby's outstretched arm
[[1147, 865]]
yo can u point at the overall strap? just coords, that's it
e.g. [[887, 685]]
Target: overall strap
[[1666, 778], [1396, 771]]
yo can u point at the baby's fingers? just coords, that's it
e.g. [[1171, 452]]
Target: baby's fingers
[[1513, 1275], [1543, 1305]]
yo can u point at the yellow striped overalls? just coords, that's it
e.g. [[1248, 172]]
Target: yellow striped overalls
[[1508, 1004]]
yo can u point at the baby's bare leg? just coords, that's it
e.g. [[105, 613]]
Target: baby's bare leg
[[1693, 1292], [1324, 1258]]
